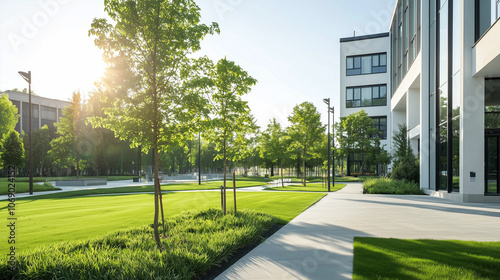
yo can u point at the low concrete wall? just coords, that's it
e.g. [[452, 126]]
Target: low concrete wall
[[82, 182]]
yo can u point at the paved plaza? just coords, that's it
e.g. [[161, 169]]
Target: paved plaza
[[318, 244]]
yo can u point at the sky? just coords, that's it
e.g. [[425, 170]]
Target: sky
[[290, 46]]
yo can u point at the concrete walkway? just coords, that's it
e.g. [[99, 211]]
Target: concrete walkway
[[318, 244]]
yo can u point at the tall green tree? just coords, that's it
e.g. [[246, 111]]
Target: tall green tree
[[153, 40], [69, 148], [11, 149], [231, 119], [41, 139], [360, 136], [272, 145], [305, 132], [8, 115]]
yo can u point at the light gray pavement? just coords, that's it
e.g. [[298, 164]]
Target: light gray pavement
[[318, 244]]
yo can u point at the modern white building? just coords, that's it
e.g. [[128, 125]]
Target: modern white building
[[365, 84], [445, 86], [44, 111]]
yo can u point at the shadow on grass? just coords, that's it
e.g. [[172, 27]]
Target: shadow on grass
[[425, 259]]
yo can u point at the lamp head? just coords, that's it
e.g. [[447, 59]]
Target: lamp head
[[26, 76]]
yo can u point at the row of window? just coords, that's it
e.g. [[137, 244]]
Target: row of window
[[366, 64], [366, 96]]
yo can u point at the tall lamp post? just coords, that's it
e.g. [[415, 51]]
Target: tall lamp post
[[199, 158], [330, 110], [27, 77]]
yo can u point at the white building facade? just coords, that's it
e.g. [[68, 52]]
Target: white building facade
[[365, 85], [444, 69]]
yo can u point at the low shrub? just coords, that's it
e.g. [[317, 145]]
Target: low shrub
[[390, 186], [195, 241]]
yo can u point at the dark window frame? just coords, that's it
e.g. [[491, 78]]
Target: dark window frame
[[357, 102], [356, 70], [382, 134]]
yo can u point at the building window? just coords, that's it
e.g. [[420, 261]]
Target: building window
[[380, 124], [498, 8], [366, 64], [366, 96]]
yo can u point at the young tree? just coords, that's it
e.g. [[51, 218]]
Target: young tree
[[68, 148], [343, 149], [272, 145], [406, 165], [8, 115], [305, 131], [11, 149], [153, 40], [231, 120], [359, 133], [41, 146]]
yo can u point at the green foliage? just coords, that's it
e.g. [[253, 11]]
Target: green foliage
[[11, 149], [8, 115], [272, 144], [153, 41], [379, 258], [305, 132], [390, 186], [355, 136], [196, 241], [70, 148], [406, 165]]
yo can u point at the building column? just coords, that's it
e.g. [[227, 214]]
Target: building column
[[471, 114], [425, 154]]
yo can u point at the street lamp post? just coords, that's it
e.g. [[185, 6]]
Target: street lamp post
[[199, 158], [330, 110], [27, 77]]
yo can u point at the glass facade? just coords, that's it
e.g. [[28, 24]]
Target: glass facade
[[366, 64], [486, 14], [366, 96], [444, 88], [405, 39]]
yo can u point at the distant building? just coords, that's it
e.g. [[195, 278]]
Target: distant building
[[365, 85], [45, 111]]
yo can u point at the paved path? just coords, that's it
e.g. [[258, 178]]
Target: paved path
[[318, 244]]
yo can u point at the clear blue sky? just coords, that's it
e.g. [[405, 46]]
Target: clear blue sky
[[291, 47]]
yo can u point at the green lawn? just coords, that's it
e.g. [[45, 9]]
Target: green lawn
[[240, 183], [48, 219], [378, 258], [23, 187], [313, 187], [196, 241]]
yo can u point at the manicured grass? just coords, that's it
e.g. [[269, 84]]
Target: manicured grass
[[23, 187], [48, 219], [319, 179], [195, 241], [212, 185], [390, 186], [377, 258], [43, 179], [314, 187]]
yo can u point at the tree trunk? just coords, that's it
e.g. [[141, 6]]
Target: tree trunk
[[77, 167], [282, 183], [304, 167], [272, 169]]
